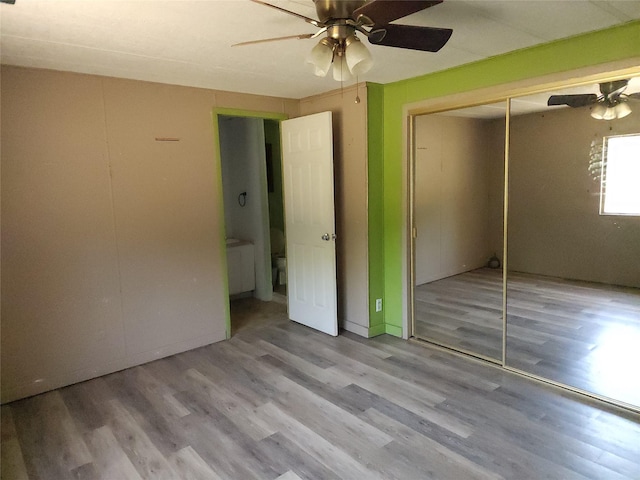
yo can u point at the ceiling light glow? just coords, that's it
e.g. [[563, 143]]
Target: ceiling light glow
[[607, 111], [349, 57]]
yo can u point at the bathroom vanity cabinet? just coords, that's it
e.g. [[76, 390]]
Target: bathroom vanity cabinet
[[241, 266]]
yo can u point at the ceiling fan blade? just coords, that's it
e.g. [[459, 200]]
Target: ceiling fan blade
[[382, 12], [633, 96], [313, 22], [426, 39], [265, 40], [581, 100]]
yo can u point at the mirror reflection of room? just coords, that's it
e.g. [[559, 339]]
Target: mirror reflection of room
[[573, 282], [458, 216]]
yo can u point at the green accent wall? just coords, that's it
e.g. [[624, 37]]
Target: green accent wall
[[604, 46], [375, 176]]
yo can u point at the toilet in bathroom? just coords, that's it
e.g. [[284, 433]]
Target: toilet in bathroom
[[278, 258]]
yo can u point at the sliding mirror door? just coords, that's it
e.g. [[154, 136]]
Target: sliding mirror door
[[457, 216], [573, 281]]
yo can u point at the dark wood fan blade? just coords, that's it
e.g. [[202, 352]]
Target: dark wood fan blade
[[265, 40], [574, 101], [426, 39], [382, 12], [313, 22]]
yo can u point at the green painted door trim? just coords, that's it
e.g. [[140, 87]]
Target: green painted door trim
[[235, 112], [222, 235], [591, 49]]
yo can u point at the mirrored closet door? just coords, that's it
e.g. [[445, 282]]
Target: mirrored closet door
[[457, 210], [573, 231], [572, 257]]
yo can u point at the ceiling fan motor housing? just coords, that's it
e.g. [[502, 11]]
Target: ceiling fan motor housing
[[340, 31], [607, 88], [336, 9]]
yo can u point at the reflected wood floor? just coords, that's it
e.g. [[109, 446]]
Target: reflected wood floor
[[582, 334], [463, 312], [579, 333], [281, 401]]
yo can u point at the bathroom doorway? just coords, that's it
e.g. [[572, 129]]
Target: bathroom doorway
[[273, 162], [250, 158]]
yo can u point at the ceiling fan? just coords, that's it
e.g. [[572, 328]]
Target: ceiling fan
[[610, 105], [341, 20]]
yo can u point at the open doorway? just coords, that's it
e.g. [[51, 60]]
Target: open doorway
[[273, 162], [250, 156]]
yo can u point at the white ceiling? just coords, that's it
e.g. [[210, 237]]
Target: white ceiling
[[188, 42]]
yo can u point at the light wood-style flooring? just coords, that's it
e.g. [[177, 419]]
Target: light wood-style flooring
[[582, 334], [462, 312], [281, 401]]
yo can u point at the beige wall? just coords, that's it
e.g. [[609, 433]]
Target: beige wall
[[110, 239], [453, 178], [350, 166], [495, 135], [61, 302], [554, 226]]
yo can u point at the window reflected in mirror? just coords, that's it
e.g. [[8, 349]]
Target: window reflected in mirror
[[458, 180], [620, 174], [573, 231]]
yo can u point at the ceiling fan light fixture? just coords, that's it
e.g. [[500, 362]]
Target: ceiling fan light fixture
[[599, 111], [607, 111], [622, 110], [321, 56], [341, 72], [358, 57]]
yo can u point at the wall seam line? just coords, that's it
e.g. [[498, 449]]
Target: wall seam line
[[113, 217]]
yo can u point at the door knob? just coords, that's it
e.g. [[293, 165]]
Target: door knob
[[326, 237]]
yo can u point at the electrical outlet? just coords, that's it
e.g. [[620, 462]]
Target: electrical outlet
[[378, 304]]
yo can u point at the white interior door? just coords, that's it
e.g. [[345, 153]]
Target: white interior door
[[307, 156]]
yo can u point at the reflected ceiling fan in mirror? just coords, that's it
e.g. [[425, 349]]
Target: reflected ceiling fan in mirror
[[610, 105], [341, 20]]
